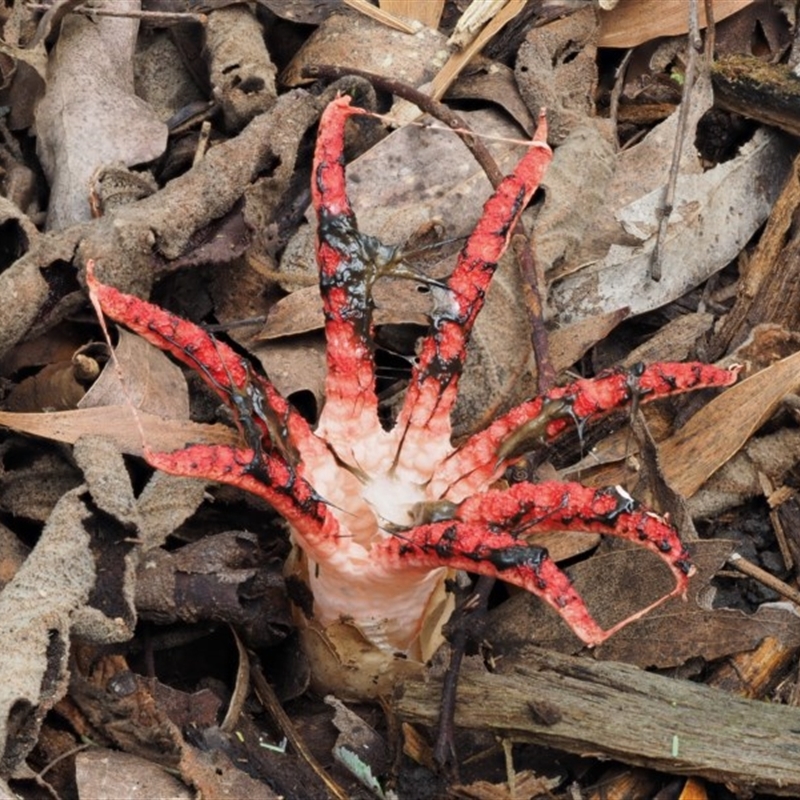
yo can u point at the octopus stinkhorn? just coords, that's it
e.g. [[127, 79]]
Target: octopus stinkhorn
[[380, 516]]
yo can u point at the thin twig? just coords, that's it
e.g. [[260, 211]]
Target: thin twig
[[695, 48], [711, 31], [746, 567], [155, 17], [73, 751], [474, 607], [616, 92], [267, 696]]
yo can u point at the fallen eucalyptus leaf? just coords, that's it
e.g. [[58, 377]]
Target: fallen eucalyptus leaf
[[709, 439], [633, 22], [714, 216], [151, 382], [740, 479], [354, 40], [122, 424]]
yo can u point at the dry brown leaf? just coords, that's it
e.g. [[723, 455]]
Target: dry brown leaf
[[674, 341], [132, 720], [633, 22], [295, 366], [137, 722], [353, 40], [297, 313], [89, 116], [111, 773], [493, 82], [380, 14], [38, 610], [307, 12], [214, 775], [724, 425], [122, 425], [40, 478], [26, 285], [622, 580], [642, 169], [576, 193], [152, 382], [55, 386], [682, 630], [428, 12], [57, 344], [556, 69], [301, 311], [569, 344], [760, 29], [740, 479]]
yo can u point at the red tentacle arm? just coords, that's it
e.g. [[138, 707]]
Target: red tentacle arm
[[489, 535], [265, 476], [382, 515], [484, 456], [434, 381], [223, 370], [345, 264], [270, 426]]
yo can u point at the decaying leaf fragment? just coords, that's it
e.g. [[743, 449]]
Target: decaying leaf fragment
[[66, 585], [632, 22], [98, 771], [90, 116], [751, 404], [667, 638], [242, 74], [38, 610]]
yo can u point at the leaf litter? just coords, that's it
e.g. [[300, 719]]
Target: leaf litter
[[223, 236]]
